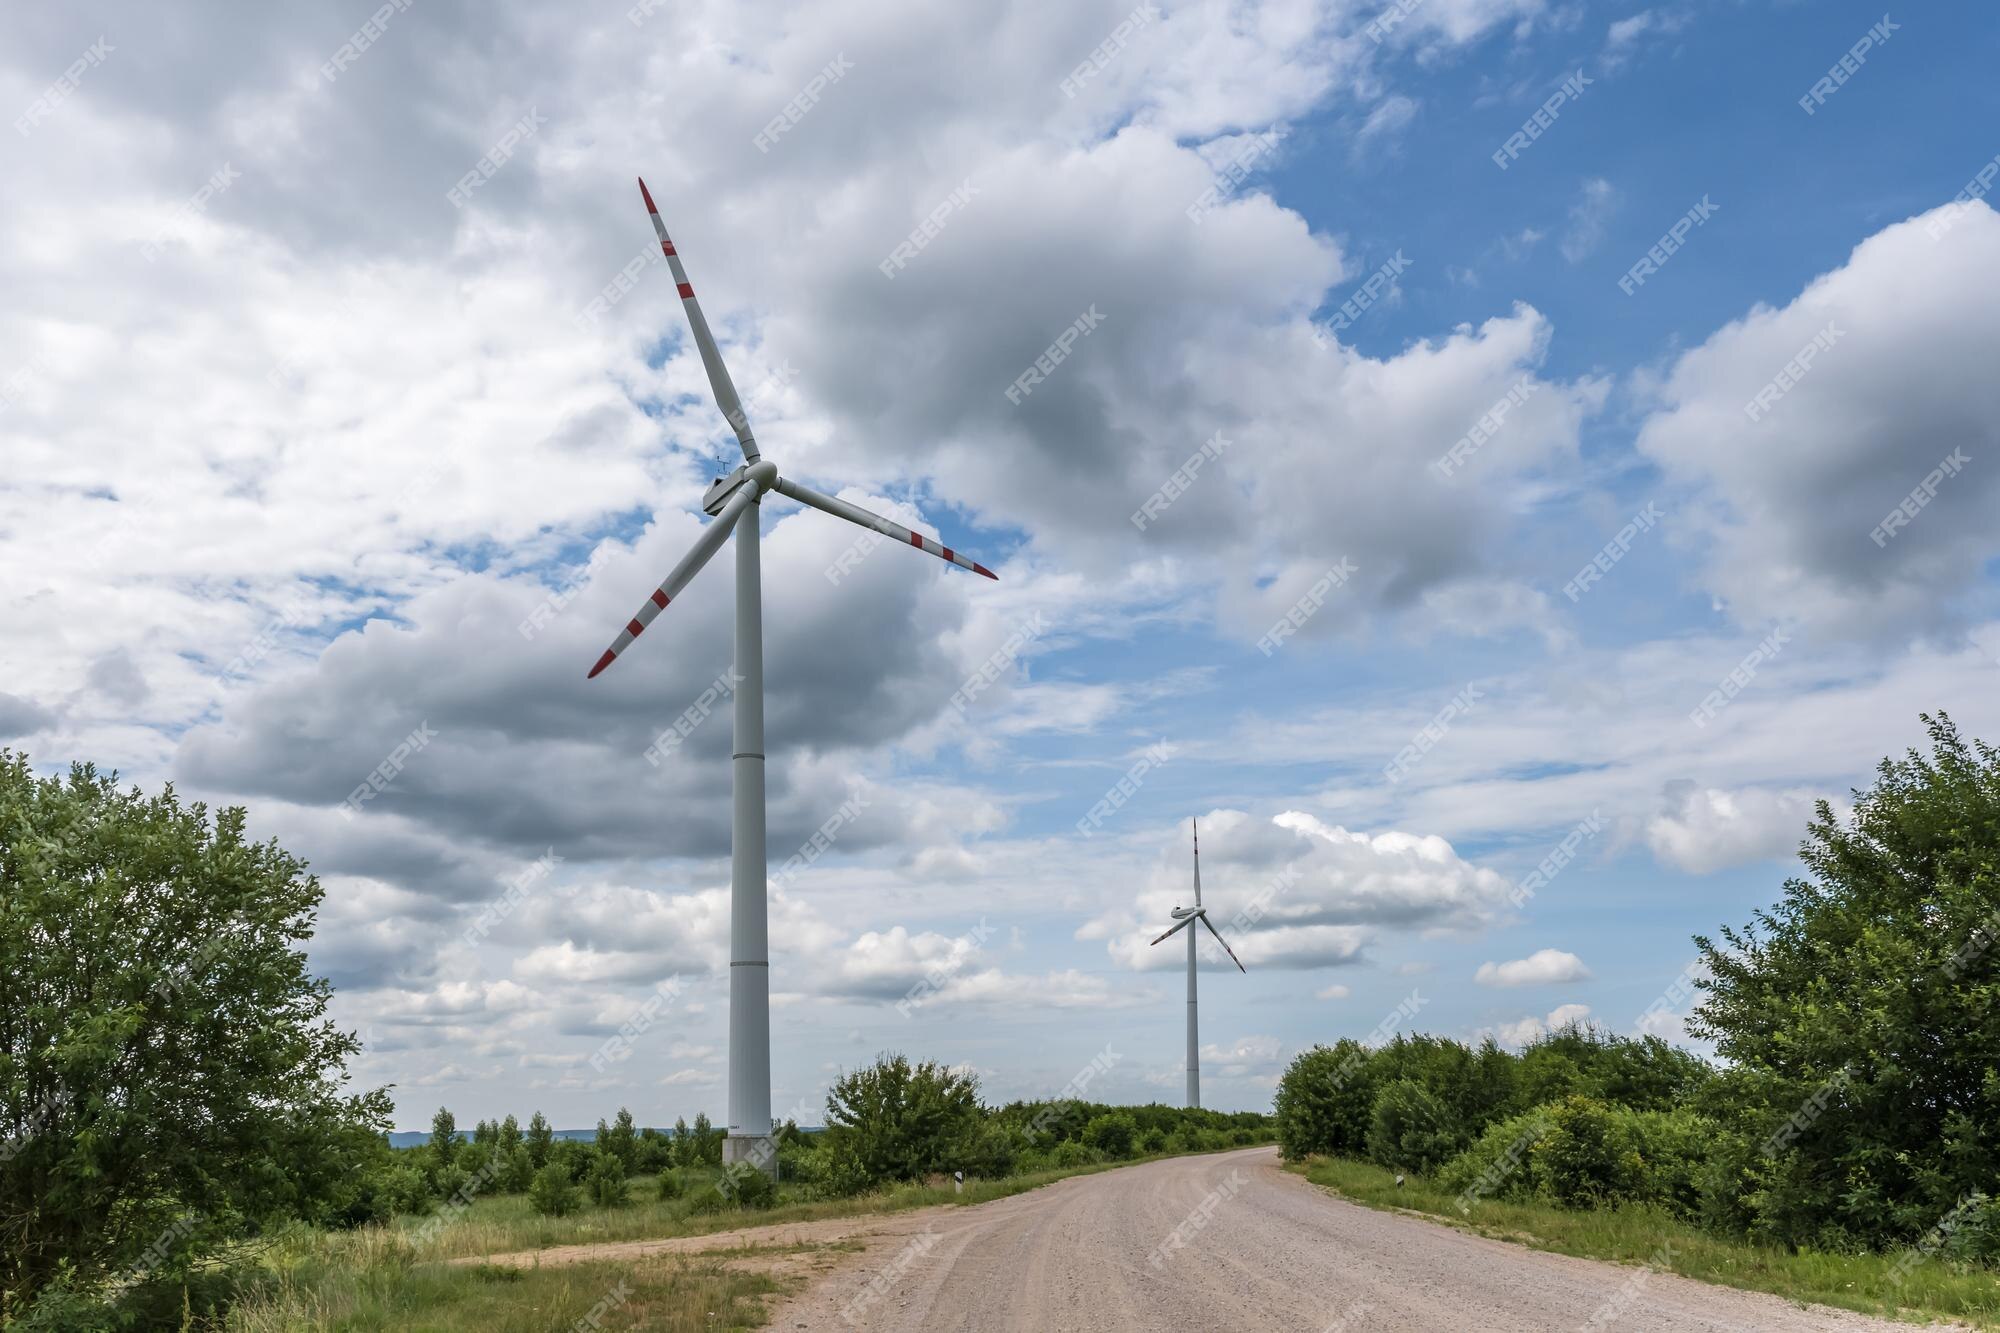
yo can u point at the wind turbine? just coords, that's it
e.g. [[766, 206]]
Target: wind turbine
[[1187, 917], [734, 502]]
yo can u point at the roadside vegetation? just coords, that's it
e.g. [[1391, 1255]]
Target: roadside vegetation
[[1847, 1148], [177, 1150]]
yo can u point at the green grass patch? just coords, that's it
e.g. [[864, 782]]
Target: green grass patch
[[1866, 1283]]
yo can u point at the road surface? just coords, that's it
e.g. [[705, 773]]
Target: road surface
[[1217, 1242]]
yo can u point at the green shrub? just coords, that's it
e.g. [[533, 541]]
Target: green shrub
[[552, 1193], [903, 1121], [1583, 1161], [605, 1181], [1112, 1134], [748, 1187], [1069, 1153], [671, 1185], [1411, 1129], [1500, 1163], [1324, 1102], [706, 1199], [1584, 1153], [1153, 1142]]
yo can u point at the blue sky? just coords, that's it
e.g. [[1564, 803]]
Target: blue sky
[[358, 431]]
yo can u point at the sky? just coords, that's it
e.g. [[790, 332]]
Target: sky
[[1495, 463]]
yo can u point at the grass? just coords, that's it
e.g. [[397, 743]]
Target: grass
[[1866, 1283], [335, 1293]]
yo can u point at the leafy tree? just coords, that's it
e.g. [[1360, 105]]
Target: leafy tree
[[707, 1141], [1862, 1012], [683, 1151], [444, 1137], [621, 1140], [169, 1081], [541, 1139], [898, 1121], [486, 1132], [509, 1137]]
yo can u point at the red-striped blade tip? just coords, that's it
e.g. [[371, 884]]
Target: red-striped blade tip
[[602, 662], [978, 568], [647, 195]]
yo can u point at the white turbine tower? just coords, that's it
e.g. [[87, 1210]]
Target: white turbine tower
[[734, 501], [1187, 917]]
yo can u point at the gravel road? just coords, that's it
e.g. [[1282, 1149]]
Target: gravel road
[[1240, 1245]]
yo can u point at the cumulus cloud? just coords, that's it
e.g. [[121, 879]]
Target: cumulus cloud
[[1544, 967], [1703, 829], [1291, 891], [1522, 1031], [1791, 490]]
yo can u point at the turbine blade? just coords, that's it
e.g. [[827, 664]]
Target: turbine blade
[[805, 495], [704, 341], [1224, 943], [704, 549], [1197, 862], [1182, 926]]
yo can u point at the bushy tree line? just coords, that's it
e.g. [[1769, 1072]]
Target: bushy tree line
[[900, 1121], [1857, 1104]]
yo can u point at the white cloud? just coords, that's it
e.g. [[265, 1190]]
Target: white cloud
[[1784, 508], [1588, 217], [1702, 829], [1544, 967], [1292, 891], [1521, 1031], [1333, 992]]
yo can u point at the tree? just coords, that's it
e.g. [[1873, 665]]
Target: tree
[[540, 1140], [169, 1081], [1861, 1014], [683, 1150], [706, 1141], [898, 1121], [444, 1137], [621, 1140], [510, 1135]]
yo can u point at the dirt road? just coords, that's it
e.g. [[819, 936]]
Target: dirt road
[[1219, 1242]]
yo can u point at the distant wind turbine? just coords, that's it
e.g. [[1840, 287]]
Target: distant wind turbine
[[735, 503], [1187, 917]]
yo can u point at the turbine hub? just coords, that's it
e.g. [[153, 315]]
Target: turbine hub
[[763, 472]]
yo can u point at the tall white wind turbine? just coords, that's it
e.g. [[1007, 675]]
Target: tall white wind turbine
[[1187, 917], [735, 503]]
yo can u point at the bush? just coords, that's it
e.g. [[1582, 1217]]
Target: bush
[[606, 1181], [552, 1194], [1581, 1161], [1411, 1129], [1153, 1142], [898, 1121], [1112, 1134], [1070, 1153], [1585, 1153], [671, 1186], [706, 1199], [748, 1187], [1323, 1104]]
